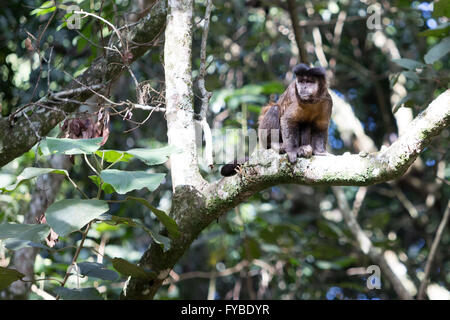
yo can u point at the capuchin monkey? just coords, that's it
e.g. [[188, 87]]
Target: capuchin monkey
[[302, 116]]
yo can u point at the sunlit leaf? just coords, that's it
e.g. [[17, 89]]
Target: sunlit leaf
[[114, 155], [46, 7]]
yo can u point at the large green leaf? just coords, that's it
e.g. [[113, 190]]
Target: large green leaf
[[8, 276], [30, 173], [129, 269], [97, 270], [78, 294], [438, 51], [69, 146], [153, 156], [126, 181], [167, 221], [69, 215]]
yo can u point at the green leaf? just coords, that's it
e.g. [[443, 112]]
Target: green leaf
[[30, 173], [411, 76], [167, 221], [97, 270], [153, 156], [105, 186], [159, 239], [126, 181], [23, 235], [23, 231], [78, 294], [69, 215], [8, 276], [129, 269], [408, 63], [438, 51], [45, 8], [114, 155], [69, 146]]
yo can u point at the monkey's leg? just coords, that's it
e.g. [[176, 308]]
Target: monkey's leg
[[319, 142], [305, 149], [291, 138], [269, 130]]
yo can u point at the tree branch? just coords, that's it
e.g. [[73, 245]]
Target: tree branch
[[194, 208], [24, 130]]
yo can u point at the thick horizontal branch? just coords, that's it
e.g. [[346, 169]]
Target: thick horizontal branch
[[21, 132], [194, 209], [267, 168]]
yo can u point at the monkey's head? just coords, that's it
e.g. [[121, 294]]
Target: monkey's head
[[310, 83]]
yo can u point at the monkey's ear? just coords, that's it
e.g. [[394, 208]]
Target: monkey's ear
[[317, 72], [300, 69]]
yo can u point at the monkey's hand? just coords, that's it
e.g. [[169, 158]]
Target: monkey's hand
[[305, 151]]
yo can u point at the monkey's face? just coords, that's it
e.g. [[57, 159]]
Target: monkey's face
[[307, 87]]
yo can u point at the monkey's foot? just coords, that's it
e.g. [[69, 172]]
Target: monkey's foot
[[292, 155], [321, 153], [305, 151]]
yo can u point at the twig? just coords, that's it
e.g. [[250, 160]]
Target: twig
[[75, 257], [437, 239]]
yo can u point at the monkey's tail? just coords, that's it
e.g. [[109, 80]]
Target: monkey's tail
[[230, 169]]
